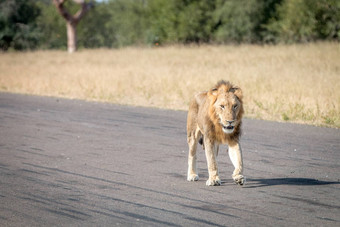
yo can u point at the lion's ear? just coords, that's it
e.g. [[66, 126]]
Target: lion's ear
[[213, 92], [212, 95], [237, 91]]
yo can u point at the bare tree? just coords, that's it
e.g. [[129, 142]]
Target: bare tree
[[72, 20]]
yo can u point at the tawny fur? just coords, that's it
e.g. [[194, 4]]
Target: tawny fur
[[221, 88], [208, 117]]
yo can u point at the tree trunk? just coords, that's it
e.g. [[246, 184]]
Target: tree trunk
[[72, 20], [71, 37]]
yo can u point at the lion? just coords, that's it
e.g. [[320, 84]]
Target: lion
[[215, 118]]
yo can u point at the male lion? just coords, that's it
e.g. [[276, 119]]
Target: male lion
[[214, 118]]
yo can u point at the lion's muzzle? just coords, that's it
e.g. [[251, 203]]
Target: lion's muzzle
[[229, 127]]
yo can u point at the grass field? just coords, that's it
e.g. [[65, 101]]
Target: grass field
[[296, 83]]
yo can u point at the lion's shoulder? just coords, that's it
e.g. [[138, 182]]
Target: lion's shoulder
[[200, 98]]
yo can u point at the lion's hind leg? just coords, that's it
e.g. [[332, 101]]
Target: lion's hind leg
[[192, 157], [201, 141]]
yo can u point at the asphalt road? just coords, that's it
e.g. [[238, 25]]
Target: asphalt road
[[76, 163]]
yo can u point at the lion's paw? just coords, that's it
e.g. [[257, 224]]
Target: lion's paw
[[193, 177], [214, 182], [240, 180]]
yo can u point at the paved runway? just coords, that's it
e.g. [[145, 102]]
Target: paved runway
[[75, 163]]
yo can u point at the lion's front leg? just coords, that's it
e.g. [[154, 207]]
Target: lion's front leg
[[235, 154], [211, 151]]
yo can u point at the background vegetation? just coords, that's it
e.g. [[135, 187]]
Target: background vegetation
[[297, 83], [35, 24]]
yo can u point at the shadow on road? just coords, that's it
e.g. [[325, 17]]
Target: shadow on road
[[255, 183]]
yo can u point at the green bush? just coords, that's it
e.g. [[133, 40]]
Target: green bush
[[305, 20], [18, 28], [34, 24]]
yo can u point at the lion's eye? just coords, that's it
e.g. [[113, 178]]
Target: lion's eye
[[222, 107], [235, 106]]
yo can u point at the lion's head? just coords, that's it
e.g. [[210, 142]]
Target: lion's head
[[226, 108]]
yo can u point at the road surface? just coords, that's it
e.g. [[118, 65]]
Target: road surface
[[76, 163]]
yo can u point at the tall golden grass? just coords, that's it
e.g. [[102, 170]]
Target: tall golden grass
[[298, 83]]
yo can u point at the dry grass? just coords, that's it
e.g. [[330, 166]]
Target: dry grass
[[299, 83]]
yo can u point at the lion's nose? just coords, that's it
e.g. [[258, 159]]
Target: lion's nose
[[230, 122]]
